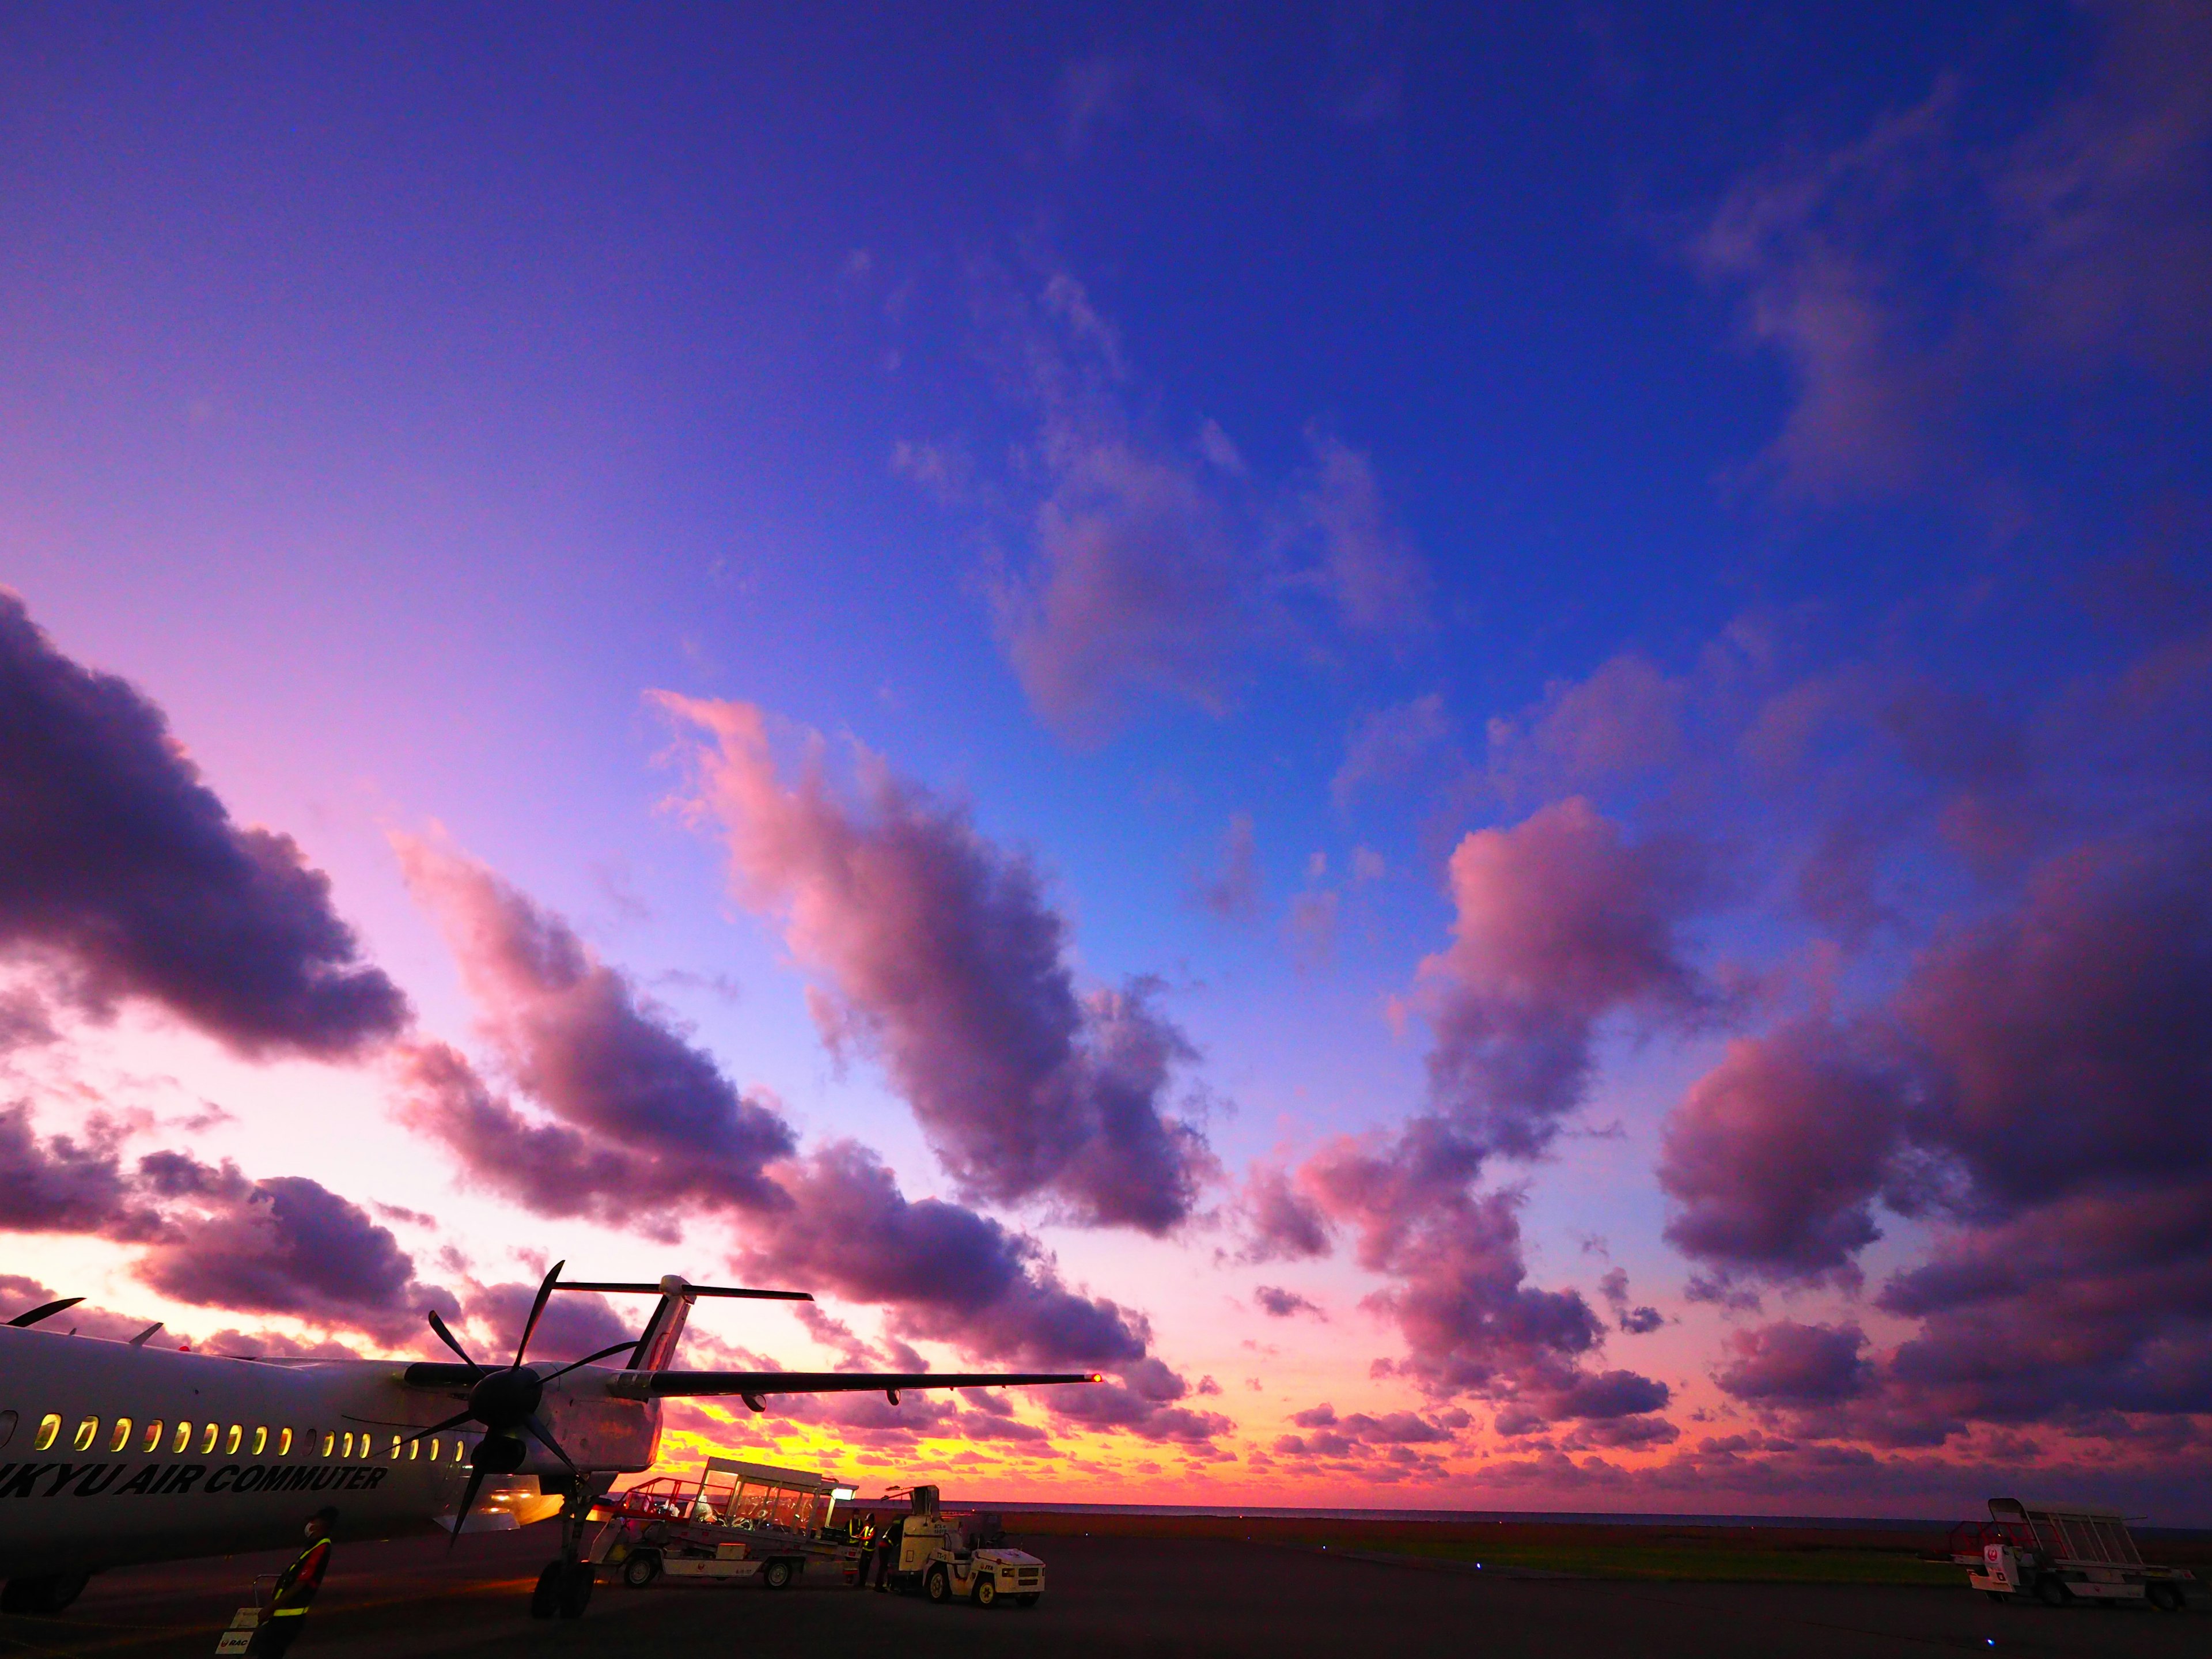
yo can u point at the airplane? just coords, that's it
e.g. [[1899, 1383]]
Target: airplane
[[125, 1454]]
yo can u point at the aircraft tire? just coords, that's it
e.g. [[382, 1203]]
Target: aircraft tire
[[545, 1598], [47, 1593], [576, 1578]]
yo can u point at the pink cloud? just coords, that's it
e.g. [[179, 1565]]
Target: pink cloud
[[943, 955]]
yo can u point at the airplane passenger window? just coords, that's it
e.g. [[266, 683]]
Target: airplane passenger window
[[283, 1442], [183, 1439], [87, 1430], [118, 1438], [395, 1448], [347, 1452], [414, 1450], [230, 1441], [208, 1433], [152, 1443], [8, 1420], [434, 1451], [329, 1440], [49, 1426], [260, 1439]]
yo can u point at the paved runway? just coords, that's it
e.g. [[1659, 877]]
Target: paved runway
[[1110, 1596]]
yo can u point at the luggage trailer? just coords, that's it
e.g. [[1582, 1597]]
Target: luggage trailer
[[733, 1521], [2060, 1555]]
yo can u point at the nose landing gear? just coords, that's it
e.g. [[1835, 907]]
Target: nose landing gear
[[564, 1587]]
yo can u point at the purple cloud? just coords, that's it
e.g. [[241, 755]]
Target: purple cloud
[[640, 1106], [1788, 1363], [287, 1245], [1278, 1303], [1558, 922], [944, 958], [124, 873]]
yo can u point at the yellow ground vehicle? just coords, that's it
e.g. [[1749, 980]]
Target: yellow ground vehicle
[[734, 1521], [2060, 1555], [963, 1556]]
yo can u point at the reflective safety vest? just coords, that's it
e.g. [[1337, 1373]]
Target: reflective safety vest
[[300, 1582]]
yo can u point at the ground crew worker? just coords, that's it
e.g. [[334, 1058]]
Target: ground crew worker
[[296, 1590], [887, 1540]]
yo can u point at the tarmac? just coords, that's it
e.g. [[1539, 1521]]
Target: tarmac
[[1107, 1595]]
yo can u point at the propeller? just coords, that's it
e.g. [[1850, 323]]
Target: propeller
[[505, 1403]]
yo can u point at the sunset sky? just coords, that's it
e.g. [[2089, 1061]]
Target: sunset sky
[[1478, 741]]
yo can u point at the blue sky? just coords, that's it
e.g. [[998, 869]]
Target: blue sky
[[1780, 429]]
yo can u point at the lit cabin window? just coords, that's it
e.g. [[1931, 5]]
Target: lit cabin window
[[329, 1440], [49, 1426], [118, 1438], [209, 1433], [260, 1440], [182, 1439], [87, 1430], [283, 1442], [414, 1450], [233, 1441], [7, 1421], [347, 1452], [151, 1441], [434, 1451], [368, 1443]]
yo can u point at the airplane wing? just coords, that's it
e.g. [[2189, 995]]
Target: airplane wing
[[762, 1383], [437, 1374]]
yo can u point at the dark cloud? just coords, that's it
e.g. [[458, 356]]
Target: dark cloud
[[1637, 1322], [286, 1245], [945, 959], [945, 1272], [637, 1102], [2037, 1087], [643, 1131], [1458, 1294], [1788, 1363], [1278, 1303], [124, 872], [574, 1324], [68, 1183], [1143, 1402]]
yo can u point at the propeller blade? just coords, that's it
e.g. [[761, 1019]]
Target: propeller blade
[[545, 1295], [468, 1502], [439, 1428], [545, 1438], [450, 1342], [45, 1311], [619, 1347]]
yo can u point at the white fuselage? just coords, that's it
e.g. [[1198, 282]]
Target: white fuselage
[[247, 1449]]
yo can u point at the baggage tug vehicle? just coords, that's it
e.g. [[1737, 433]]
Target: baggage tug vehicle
[[2060, 1555], [948, 1557]]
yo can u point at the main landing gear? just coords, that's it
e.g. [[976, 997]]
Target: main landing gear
[[48, 1593], [564, 1588]]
